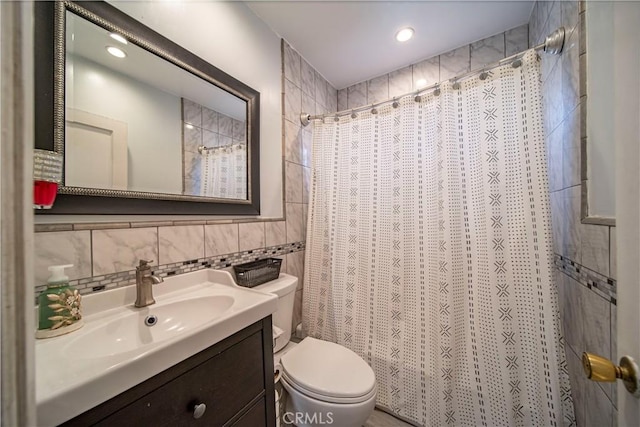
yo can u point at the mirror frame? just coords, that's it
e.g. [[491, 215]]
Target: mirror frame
[[49, 123]]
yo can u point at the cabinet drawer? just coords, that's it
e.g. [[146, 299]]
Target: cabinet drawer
[[254, 417], [225, 384]]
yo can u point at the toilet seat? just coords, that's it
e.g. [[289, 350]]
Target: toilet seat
[[328, 372]]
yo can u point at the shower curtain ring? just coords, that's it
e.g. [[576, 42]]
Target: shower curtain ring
[[395, 103], [353, 114]]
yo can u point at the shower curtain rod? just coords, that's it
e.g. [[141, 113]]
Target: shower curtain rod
[[553, 45], [202, 149]]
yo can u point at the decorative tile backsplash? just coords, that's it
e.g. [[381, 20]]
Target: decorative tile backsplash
[[221, 239], [101, 252], [293, 253], [63, 247], [120, 250], [180, 243], [251, 235]]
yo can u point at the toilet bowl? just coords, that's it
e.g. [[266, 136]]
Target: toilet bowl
[[326, 383]]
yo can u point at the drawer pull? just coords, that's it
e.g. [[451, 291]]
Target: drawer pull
[[198, 410]]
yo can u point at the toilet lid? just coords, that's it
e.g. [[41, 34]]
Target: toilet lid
[[327, 370]]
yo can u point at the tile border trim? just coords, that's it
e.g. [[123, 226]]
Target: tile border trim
[[600, 284], [50, 227]]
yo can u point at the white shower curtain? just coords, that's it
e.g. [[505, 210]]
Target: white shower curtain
[[429, 253], [224, 172]]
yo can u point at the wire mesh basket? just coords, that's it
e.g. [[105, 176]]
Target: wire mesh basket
[[255, 273]]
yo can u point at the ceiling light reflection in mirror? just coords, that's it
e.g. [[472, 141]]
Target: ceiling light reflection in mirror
[[134, 121], [118, 53]]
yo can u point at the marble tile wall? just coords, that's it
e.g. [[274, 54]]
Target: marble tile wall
[[304, 90], [585, 253], [435, 69], [106, 258], [105, 254], [292, 252]]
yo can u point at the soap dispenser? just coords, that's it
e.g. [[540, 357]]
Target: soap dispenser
[[59, 309]]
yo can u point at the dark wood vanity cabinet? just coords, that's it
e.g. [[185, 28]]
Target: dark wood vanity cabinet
[[233, 378]]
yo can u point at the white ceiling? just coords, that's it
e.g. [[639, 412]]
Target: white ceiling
[[351, 41]]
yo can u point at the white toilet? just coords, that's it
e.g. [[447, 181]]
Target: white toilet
[[326, 383]]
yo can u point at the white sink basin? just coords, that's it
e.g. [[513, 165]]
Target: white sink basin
[[115, 350], [129, 333]]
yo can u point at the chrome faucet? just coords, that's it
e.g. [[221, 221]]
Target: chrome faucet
[[144, 284]]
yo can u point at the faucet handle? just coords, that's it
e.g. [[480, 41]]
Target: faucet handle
[[144, 264]]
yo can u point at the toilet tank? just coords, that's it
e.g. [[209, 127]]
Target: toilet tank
[[285, 288]]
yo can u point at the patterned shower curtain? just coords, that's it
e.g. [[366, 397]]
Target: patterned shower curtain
[[224, 172], [429, 253]]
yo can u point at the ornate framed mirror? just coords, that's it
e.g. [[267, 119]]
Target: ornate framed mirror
[[145, 126]]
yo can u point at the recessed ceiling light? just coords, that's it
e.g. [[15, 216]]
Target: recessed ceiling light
[[404, 34], [421, 83], [118, 53], [119, 38]]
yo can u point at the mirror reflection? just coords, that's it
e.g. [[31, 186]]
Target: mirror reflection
[[136, 122], [600, 110]]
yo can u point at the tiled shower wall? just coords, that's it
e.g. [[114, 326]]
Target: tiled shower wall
[[203, 127], [105, 254], [304, 90], [585, 253], [436, 69]]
